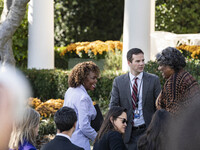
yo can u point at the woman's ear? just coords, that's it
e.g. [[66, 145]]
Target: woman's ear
[[111, 120]]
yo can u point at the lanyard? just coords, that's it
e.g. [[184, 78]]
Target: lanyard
[[138, 94]]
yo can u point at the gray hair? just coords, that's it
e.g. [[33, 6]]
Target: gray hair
[[172, 57]]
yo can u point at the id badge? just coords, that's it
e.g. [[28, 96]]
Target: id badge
[[136, 114]]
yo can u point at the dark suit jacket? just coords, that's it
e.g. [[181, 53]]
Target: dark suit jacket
[[121, 96], [60, 143], [110, 141]]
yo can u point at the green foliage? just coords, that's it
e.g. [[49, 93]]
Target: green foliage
[[1, 6], [152, 67], [61, 61], [113, 61], [193, 67], [20, 43], [47, 84], [178, 16], [47, 126], [78, 20]]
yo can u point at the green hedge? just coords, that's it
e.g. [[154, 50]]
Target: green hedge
[[83, 20], [49, 84]]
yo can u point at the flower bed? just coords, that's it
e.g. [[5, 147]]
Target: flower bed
[[96, 49], [48, 108], [192, 51]]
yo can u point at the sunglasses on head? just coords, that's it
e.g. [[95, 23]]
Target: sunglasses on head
[[123, 120]]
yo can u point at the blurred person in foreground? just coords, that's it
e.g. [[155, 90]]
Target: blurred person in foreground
[[65, 119], [184, 130], [25, 131], [82, 78], [14, 94], [180, 87], [110, 134], [156, 134]]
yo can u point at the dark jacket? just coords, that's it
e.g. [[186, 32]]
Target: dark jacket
[[60, 143], [110, 141]]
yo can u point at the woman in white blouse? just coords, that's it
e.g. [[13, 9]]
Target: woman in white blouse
[[82, 78]]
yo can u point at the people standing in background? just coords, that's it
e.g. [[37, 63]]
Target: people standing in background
[[137, 92], [65, 119], [24, 131], [180, 87], [82, 78], [110, 134]]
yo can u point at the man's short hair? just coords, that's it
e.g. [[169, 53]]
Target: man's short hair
[[65, 118], [134, 51]]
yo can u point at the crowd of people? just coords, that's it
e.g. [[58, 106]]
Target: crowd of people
[[141, 115]]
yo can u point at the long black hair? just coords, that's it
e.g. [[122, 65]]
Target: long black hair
[[107, 125]]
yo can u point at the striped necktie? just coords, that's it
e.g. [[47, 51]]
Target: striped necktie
[[134, 93]]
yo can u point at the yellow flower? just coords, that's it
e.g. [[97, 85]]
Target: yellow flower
[[96, 47]]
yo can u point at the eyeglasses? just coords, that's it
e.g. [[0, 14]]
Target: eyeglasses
[[123, 120]]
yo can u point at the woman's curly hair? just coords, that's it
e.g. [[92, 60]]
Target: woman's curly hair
[[81, 71], [172, 57]]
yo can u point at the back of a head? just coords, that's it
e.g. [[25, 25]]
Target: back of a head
[[134, 51], [160, 118], [107, 125], [65, 118], [25, 128], [184, 130], [156, 133]]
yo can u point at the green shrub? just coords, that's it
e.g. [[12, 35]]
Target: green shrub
[[47, 126], [61, 61], [178, 16], [20, 43], [47, 84], [113, 61], [78, 20], [1, 6]]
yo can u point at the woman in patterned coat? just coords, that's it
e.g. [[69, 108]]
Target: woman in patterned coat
[[180, 88]]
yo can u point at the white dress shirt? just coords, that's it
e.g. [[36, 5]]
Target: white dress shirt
[[138, 121]]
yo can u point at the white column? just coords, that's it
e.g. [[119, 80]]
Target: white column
[[139, 16], [41, 34]]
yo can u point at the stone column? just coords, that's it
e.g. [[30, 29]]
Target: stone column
[[41, 34], [139, 20]]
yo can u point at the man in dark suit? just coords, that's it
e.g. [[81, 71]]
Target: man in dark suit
[[65, 119], [137, 92]]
